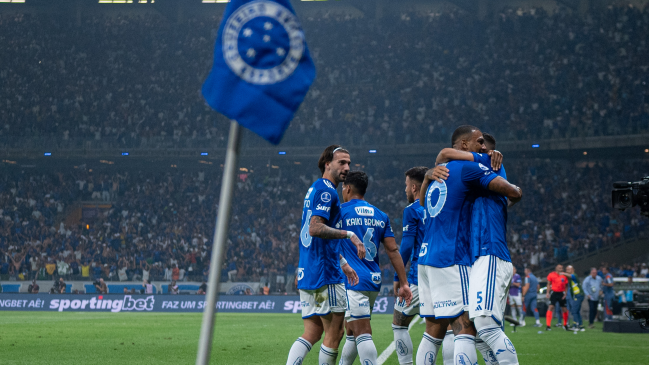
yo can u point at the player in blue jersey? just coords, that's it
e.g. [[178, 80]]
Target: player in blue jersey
[[368, 222], [320, 273], [445, 259], [492, 269], [413, 232]]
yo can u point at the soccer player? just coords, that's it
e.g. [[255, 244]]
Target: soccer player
[[515, 297], [320, 280], [492, 268], [366, 221], [445, 258], [557, 284], [530, 290], [413, 232]]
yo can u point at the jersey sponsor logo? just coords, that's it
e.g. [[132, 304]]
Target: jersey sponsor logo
[[325, 197], [322, 207], [376, 277], [365, 211], [434, 210], [300, 273]]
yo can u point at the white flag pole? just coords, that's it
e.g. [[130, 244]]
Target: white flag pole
[[220, 240]]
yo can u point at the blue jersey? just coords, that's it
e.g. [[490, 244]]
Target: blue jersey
[[489, 220], [372, 226], [413, 234], [534, 284], [319, 258], [447, 214]]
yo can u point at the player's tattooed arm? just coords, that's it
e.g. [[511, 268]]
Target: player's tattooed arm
[[320, 229], [503, 187]]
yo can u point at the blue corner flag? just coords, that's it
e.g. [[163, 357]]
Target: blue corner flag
[[262, 68]]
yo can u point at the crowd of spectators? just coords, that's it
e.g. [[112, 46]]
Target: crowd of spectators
[[405, 78], [160, 224]]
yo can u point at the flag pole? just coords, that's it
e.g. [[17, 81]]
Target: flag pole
[[218, 247]]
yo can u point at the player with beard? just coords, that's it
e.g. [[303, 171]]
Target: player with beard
[[492, 269], [321, 267], [445, 256]]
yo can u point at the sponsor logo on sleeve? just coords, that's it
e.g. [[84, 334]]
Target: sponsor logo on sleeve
[[325, 197]]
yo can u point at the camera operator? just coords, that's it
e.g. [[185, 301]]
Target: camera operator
[[61, 286], [100, 286]]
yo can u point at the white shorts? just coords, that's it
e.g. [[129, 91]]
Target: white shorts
[[443, 292], [413, 308], [360, 304], [516, 300], [488, 284], [324, 300]]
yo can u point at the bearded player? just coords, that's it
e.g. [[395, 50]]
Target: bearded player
[[445, 257], [366, 221], [492, 269], [320, 276]]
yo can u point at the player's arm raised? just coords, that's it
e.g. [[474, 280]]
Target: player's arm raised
[[395, 258], [451, 154], [318, 228], [439, 173], [503, 187]]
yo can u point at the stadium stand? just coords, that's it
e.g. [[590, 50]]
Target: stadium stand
[[532, 77]]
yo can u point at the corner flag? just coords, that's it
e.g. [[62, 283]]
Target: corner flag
[[262, 68]]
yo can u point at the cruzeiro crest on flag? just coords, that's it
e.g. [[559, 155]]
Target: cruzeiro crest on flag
[[263, 42]]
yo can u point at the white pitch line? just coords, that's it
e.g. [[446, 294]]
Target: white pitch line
[[390, 349]]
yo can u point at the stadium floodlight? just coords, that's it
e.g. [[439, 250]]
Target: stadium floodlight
[[215, 1], [535, 146], [203, 153], [372, 151], [281, 153], [13, 1], [48, 153], [124, 153]]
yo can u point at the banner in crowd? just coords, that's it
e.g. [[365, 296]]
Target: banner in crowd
[[160, 303]]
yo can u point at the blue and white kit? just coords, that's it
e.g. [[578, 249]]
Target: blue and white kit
[[413, 234], [320, 279], [372, 226]]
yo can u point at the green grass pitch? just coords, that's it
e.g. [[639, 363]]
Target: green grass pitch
[[146, 338]]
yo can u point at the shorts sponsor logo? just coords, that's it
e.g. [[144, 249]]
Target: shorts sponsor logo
[[444, 304], [322, 207], [325, 197], [364, 304], [478, 308]]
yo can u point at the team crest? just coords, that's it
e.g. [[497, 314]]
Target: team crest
[[263, 42]]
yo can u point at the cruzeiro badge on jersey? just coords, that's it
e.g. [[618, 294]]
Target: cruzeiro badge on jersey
[[262, 68]]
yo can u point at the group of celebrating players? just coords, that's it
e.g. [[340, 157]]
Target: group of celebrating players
[[454, 237]]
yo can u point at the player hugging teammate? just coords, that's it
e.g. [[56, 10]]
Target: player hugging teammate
[[454, 237]]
